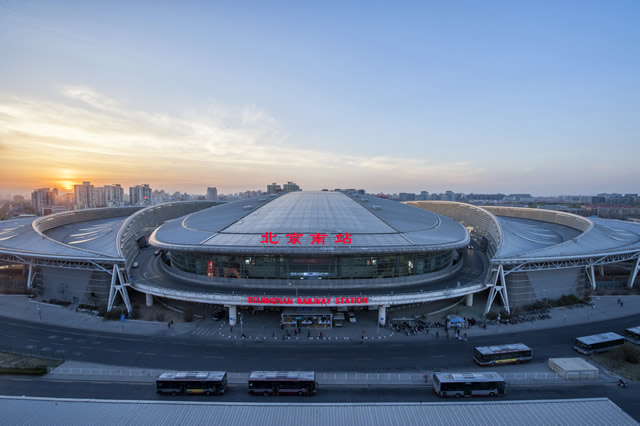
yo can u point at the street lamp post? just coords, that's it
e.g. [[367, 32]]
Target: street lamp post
[[241, 325]]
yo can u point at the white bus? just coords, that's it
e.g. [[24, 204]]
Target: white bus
[[514, 353], [632, 335], [468, 384], [283, 383], [588, 345], [192, 382]]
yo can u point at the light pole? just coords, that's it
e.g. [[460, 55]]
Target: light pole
[[241, 325]]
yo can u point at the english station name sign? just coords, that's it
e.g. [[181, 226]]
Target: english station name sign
[[266, 300]]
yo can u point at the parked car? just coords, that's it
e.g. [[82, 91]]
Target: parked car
[[352, 317], [157, 252], [135, 264]]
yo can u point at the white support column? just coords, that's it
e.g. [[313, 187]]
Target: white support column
[[149, 299], [30, 277], [634, 273], [498, 286], [118, 285], [232, 315], [601, 270], [112, 291], [591, 275], [382, 314], [492, 291], [468, 301], [503, 292]]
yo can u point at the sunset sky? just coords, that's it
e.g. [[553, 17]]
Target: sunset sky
[[540, 97]]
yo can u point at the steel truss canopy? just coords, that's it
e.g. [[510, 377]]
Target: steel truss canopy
[[519, 239]]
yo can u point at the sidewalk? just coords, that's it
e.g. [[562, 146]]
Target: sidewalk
[[22, 308], [265, 326], [524, 374]]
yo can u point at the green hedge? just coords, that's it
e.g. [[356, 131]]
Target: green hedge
[[32, 371]]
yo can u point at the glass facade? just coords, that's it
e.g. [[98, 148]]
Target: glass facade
[[316, 267]]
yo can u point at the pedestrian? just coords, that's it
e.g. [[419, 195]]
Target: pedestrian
[[169, 324], [437, 334], [621, 303], [465, 337], [618, 301]]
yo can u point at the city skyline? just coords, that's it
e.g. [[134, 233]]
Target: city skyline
[[527, 98]]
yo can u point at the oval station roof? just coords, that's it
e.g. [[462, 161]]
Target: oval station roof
[[374, 225]]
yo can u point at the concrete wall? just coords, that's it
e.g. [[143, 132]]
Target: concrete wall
[[525, 288], [73, 285]]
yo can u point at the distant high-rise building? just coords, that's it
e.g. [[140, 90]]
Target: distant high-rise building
[[406, 196], [109, 196], [274, 188], [290, 186], [84, 195], [99, 195], [18, 199], [113, 195], [212, 193], [140, 195], [42, 198]]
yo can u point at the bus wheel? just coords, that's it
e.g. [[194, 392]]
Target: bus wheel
[[458, 395], [208, 393], [266, 393], [173, 393], [492, 394], [299, 393]]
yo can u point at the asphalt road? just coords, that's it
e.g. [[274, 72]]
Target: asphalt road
[[191, 352], [625, 398]]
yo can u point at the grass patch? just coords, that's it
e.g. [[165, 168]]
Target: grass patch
[[623, 361], [21, 364]]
